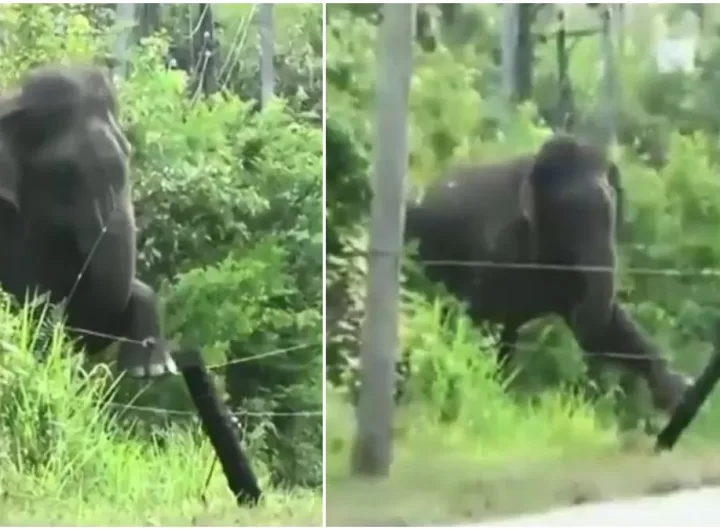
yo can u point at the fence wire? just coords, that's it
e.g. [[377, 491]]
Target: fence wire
[[703, 273], [236, 413], [635, 271], [708, 272], [527, 347], [564, 349]]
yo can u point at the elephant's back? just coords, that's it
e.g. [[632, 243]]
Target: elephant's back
[[468, 206]]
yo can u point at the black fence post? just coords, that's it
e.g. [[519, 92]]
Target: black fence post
[[691, 401], [218, 425]]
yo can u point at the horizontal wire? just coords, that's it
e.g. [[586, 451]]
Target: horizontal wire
[[640, 271], [711, 272], [270, 353], [241, 360], [520, 346], [565, 349], [239, 413]]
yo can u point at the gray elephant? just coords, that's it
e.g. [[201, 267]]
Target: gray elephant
[[69, 229], [540, 229]]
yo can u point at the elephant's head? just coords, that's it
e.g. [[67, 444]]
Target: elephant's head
[[573, 190], [72, 179], [575, 217], [61, 130]]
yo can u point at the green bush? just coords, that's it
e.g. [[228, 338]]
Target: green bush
[[214, 199], [201, 307]]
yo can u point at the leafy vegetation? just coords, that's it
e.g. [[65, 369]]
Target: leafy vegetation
[[454, 416], [228, 205]]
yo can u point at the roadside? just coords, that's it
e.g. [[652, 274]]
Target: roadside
[[692, 508], [446, 490]]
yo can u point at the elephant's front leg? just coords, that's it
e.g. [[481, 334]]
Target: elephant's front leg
[[620, 341], [600, 325], [145, 352], [604, 329]]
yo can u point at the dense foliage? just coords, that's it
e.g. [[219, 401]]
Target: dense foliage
[[667, 152], [229, 210]]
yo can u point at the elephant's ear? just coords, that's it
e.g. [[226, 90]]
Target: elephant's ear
[[10, 113]]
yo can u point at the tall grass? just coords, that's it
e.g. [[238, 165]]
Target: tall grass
[[454, 402], [65, 457], [467, 448]]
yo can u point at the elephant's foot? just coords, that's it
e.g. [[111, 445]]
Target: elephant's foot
[[668, 389], [149, 360]]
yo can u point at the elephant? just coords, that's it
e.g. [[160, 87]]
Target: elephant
[[68, 221], [543, 227]]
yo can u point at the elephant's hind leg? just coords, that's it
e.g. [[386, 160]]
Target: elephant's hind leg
[[145, 353]]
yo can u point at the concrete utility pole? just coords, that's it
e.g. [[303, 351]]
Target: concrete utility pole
[[124, 25], [372, 452], [609, 81], [509, 43], [266, 32]]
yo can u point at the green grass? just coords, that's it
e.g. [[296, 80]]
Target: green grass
[[429, 485], [467, 449], [167, 492], [64, 461]]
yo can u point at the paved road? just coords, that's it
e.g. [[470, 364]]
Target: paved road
[[693, 508]]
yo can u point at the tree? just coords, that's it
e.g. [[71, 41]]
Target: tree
[[372, 450], [267, 52], [149, 18], [525, 51], [517, 51]]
